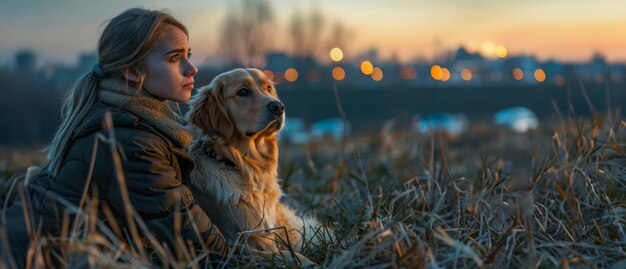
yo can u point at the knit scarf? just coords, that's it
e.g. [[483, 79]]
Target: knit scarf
[[117, 93]]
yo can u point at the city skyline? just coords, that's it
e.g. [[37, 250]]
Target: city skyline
[[569, 31]]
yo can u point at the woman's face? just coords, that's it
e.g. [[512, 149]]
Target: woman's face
[[169, 73]]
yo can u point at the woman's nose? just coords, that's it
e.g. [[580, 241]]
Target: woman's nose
[[190, 70]]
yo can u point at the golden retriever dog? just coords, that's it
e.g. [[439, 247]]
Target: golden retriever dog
[[234, 121]]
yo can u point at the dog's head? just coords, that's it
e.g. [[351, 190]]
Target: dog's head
[[241, 102]]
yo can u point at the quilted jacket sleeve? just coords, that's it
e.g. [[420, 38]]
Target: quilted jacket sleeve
[[158, 194]]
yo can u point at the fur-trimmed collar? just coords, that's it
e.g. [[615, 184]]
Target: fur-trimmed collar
[[155, 112]]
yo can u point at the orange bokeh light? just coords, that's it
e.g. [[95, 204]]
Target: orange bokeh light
[[367, 67], [436, 73], [445, 74], [377, 74], [518, 74], [339, 73], [540, 75], [466, 74], [278, 78], [291, 74], [269, 74], [408, 73]]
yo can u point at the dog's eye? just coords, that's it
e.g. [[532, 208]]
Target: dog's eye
[[243, 92], [269, 88]]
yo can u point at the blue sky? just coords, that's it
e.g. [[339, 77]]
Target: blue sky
[[563, 29]]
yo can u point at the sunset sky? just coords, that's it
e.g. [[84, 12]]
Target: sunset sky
[[569, 30]]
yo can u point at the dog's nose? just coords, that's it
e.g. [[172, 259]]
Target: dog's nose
[[276, 107]]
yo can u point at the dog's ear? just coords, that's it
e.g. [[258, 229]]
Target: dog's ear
[[208, 110], [219, 117]]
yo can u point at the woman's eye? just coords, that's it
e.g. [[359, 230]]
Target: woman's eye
[[243, 92], [175, 58]]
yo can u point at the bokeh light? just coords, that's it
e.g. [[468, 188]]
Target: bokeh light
[[314, 75], [540, 75], [408, 73], [278, 78], [339, 73], [445, 74], [487, 49], [501, 51], [599, 78], [436, 73], [377, 74], [518, 74], [367, 67], [559, 80], [466, 74], [291, 74], [336, 54], [615, 77], [269, 74]]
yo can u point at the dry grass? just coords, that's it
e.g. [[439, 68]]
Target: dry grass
[[492, 199]]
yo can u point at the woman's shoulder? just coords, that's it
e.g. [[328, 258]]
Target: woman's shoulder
[[127, 126]]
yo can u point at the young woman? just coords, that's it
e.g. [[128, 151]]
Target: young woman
[[143, 65]]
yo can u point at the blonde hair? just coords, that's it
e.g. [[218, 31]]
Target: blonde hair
[[123, 47]]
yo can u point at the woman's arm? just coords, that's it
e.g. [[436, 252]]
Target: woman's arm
[[157, 193]]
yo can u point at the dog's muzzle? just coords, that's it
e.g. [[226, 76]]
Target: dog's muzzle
[[276, 108]]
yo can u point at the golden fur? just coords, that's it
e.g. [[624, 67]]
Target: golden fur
[[241, 192]]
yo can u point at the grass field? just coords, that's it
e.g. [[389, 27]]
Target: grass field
[[553, 197]]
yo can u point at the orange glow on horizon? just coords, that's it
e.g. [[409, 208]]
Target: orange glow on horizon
[[338, 73]]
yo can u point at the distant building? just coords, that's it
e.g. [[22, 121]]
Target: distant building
[[25, 61], [86, 61], [279, 61]]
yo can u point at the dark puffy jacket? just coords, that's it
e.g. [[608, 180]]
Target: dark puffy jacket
[[155, 170]]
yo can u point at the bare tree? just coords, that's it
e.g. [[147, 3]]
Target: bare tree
[[306, 33], [246, 33], [339, 37], [309, 38], [297, 33]]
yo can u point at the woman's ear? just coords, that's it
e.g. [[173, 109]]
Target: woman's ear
[[131, 75]]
